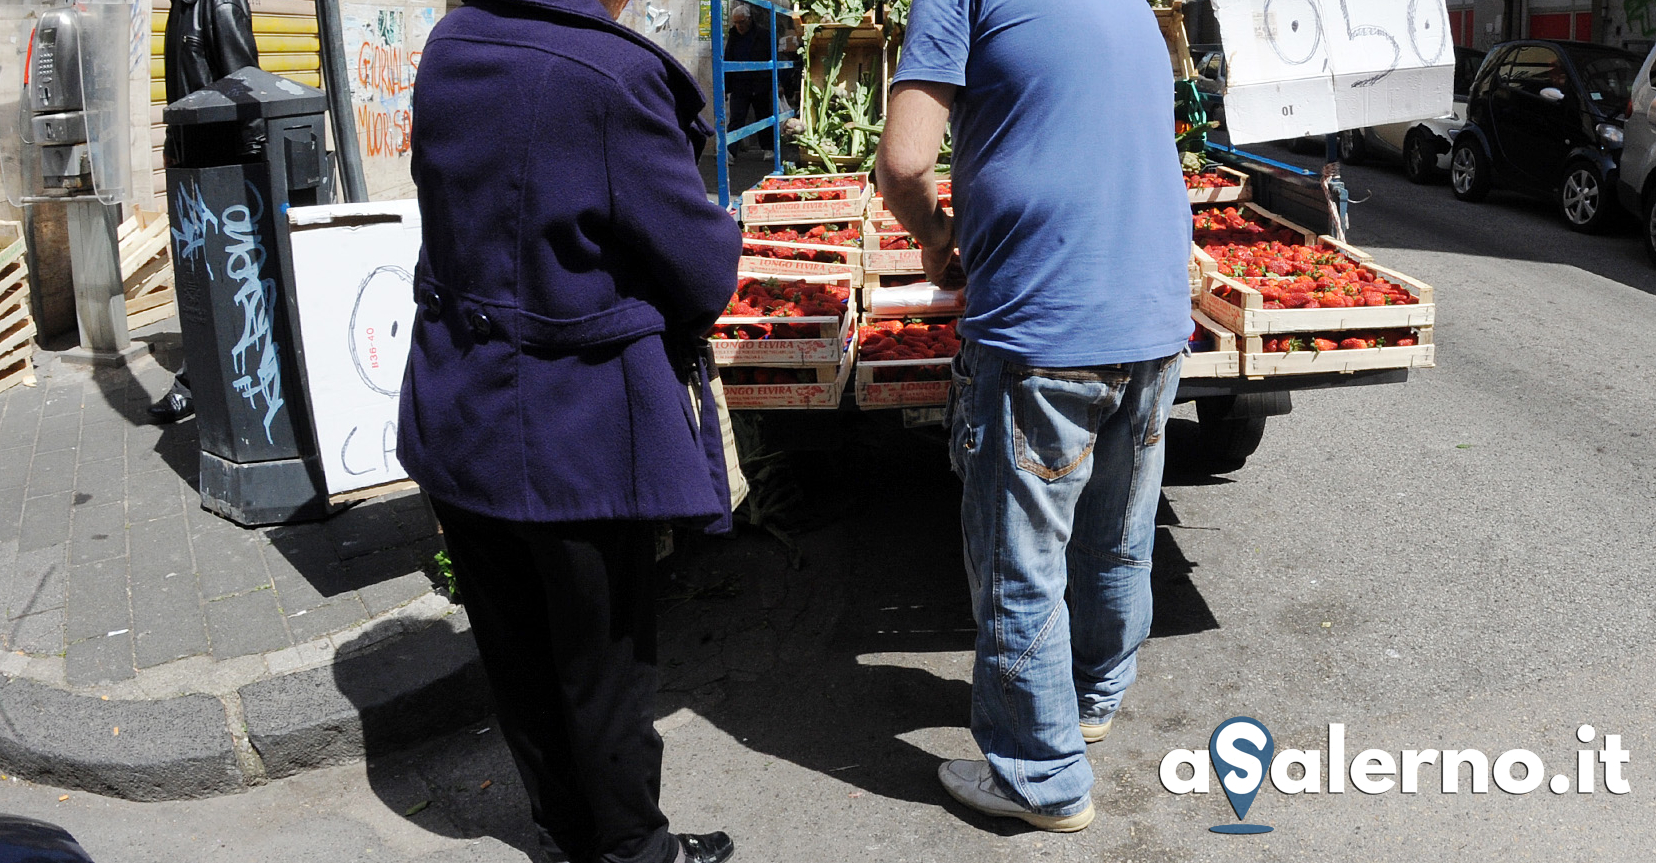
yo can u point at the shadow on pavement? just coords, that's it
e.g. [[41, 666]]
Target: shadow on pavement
[[461, 785], [834, 666]]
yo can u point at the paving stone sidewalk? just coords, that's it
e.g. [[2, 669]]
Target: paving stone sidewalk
[[110, 569]]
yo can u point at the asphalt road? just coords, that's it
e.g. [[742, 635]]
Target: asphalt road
[[1464, 561]]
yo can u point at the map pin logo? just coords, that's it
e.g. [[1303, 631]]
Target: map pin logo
[[1241, 749]]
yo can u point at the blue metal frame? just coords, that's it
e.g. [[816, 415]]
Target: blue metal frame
[[725, 137]]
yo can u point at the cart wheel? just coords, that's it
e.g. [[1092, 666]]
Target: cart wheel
[[1226, 440]]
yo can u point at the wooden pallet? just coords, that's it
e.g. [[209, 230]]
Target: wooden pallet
[[17, 328], [146, 268], [1173, 33]]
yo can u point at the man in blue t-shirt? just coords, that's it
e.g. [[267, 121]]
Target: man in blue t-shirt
[[1073, 226]]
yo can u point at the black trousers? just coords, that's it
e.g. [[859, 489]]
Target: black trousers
[[742, 103], [564, 616]]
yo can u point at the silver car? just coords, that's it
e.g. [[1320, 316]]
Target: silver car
[[1637, 186], [1421, 145]]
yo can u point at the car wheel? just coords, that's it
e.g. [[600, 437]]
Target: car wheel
[[1650, 225], [1469, 172], [1419, 158], [1584, 199], [1352, 149]]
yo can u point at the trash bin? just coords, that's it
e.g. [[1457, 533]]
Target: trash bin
[[245, 149]]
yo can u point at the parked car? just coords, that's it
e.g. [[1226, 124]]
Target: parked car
[[1637, 186], [1546, 117], [1421, 145]]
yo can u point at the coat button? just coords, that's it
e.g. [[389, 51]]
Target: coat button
[[480, 326], [432, 304]]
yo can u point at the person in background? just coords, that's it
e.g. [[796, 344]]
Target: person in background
[[570, 258], [1073, 226], [748, 92], [205, 40]]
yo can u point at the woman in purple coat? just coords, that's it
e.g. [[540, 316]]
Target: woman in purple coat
[[570, 257]]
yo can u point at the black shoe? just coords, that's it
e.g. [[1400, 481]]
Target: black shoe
[[172, 407], [706, 847]]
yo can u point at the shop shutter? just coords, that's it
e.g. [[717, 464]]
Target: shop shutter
[[286, 33]]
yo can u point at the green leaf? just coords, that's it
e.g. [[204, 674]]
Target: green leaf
[[416, 808]]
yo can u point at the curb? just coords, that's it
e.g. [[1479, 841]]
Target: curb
[[398, 692]]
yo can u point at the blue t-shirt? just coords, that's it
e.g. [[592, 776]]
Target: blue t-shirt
[[1072, 217]]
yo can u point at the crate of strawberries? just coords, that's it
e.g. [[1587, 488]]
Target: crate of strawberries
[[1217, 184], [1338, 351], [1213, 350], [945, 196], [804, 249], [785, 322], [1299, 293], [763, 388], [904, 363], [806, 198], [889, 248]]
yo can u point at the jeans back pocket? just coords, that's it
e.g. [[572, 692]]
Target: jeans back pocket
[[1056, 414]]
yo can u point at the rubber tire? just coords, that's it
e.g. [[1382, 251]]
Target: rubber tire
[[1481, 178], [1604, 212], [1353, 149], [1419, 158], [1223, 441], [1650, 224]]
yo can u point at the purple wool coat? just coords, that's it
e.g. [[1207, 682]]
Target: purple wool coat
[[570, 253]]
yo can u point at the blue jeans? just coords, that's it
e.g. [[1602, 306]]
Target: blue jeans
[[1062, 472]]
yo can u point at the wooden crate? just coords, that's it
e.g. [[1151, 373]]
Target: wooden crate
[[867, 56], [757, 211], [833, 334], [1242, 191], [1251, 318], [824, 394], [1173, 32], [17, 329], [789, 267], [1203, 264], [146, 268], [872, 394], [1257, 364], [1223, 361], [876, 260], [844, 256], [1306, 236]]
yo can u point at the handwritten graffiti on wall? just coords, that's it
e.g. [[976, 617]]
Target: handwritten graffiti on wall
[[255, 356], [245, 253], [1641, 16], [385, 52], [196, 219]]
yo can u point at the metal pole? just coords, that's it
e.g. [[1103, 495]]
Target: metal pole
[[721, 169], [336, 80], [776, 99]]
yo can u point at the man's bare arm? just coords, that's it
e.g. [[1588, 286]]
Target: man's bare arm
[[915, 122]]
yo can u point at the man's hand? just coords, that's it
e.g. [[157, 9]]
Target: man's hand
[[937, 258]]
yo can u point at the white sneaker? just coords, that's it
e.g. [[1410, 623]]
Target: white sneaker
[[973, 784], [1095, 733]]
